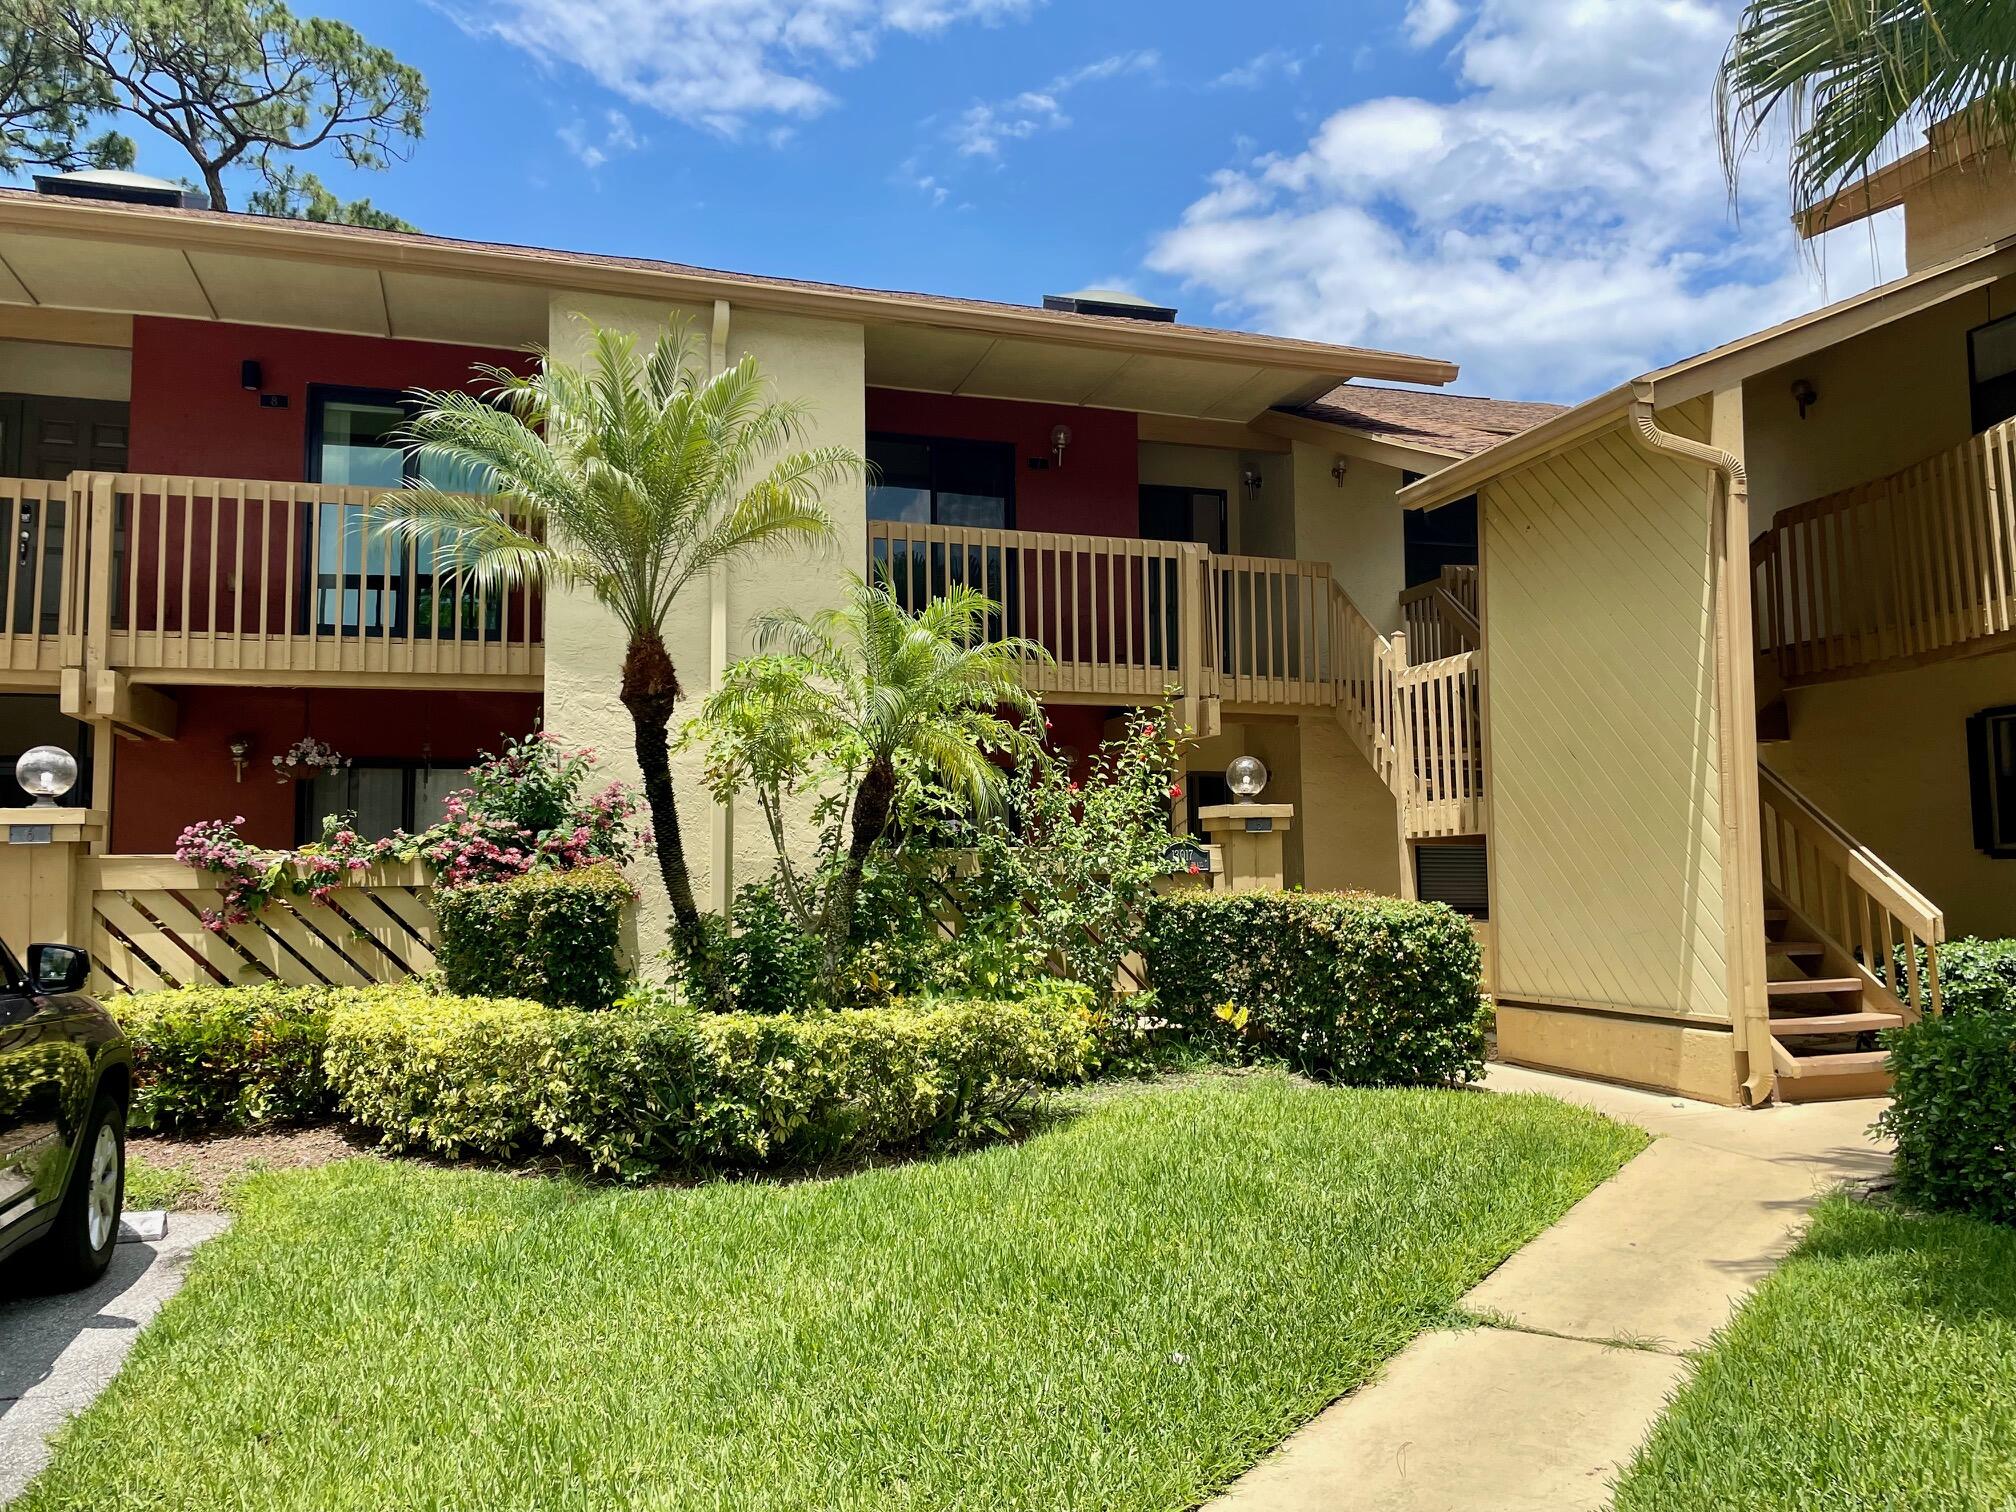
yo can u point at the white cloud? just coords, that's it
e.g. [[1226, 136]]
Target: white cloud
[[617, 135], [983, 129], [716, 63], [1429, 21], [1275, 63], [1557, 225]]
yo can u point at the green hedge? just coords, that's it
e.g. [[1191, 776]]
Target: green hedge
[[1953, 1112], [1356, 988], [637, 1089], [226, 1057], [1975, 975], [552, 937]]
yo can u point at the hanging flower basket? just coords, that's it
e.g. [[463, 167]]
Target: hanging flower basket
[[307, 759]]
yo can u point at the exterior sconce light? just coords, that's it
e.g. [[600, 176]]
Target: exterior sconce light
[[1251, 481], [1060, 437], [1804, 395], [1338, 468], [241, 752], [46, 773], [1247, 777], [250, 378]]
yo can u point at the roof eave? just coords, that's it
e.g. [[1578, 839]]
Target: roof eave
[[308, 241]]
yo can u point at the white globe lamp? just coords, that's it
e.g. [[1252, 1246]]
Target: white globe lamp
[[46, 773], [1246, 777]]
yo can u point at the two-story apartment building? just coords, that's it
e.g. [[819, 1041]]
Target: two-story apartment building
[[197, 410]]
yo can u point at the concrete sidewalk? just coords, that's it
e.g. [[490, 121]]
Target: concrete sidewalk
[[1589, 1324], [58, 1352]]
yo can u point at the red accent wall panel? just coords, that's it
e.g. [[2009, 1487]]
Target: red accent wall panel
[[160, 787], [191, 416], [1095, 492]]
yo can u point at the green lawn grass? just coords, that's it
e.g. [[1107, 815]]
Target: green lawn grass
[[1122, 1312], [149, 1185], [1875, 1369]]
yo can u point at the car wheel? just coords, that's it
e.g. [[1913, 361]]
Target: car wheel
[[79, 1248]]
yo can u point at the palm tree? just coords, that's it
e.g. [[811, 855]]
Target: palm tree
[[1850, 74], [857, 699], [630, 476]]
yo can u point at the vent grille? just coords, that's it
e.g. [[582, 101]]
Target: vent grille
[[1453, 874]]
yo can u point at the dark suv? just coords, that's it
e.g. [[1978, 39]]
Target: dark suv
[[65, 1075]]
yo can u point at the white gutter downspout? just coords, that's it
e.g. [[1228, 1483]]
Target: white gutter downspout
[[1732, 511]]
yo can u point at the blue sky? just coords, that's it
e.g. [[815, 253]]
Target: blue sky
[[1528, 187]]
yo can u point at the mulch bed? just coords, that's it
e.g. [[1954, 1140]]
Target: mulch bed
[[215, 1160]]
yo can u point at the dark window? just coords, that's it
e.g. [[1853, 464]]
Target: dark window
[[1991, 762], [1991, 367], [384, 795], [1202, 790], [1453, 874], [932, 480], [367, 583], [1438, 538], [1183, 514]]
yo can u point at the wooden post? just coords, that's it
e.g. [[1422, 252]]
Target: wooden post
[[1249, 838], [1190, 599], [98, 586], [1403, 762], [43, 893]]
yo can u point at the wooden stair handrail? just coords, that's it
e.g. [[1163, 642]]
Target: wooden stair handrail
[[1849, 895]]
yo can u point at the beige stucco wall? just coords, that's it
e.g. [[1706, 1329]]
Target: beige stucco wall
[[1886, 758], [1961, 208], [70, 372], [1605, 787], [819, 362], [1356, 526], [1887, 399]]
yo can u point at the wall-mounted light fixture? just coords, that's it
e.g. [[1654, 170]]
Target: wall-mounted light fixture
[[241, 752], [1338, 468], [251, 377], [1251, 481], [1804, 395], [1060, 437]]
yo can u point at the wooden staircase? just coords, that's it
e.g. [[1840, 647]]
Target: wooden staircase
[[1823, 1028], [1837, 923]]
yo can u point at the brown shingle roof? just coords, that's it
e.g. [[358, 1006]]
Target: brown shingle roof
[[1450, 423]]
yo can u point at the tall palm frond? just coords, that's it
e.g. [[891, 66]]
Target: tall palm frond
[[1848, 76], [629, 475]]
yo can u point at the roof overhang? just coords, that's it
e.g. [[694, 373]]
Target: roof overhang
[[123, 259], [1721, 368], [1349, 441]]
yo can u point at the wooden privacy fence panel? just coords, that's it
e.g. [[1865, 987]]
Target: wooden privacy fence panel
[[202, 575], [1915, 566], [1860, 909], [1118, 617], [147, 931]]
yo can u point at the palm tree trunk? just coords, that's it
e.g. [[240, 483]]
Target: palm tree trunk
[[873, 804], [650, 691]]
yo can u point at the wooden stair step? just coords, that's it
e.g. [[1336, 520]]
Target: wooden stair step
[[1844, 1063], [1776, 915], [1814, 987], [1794, 948], [1835, 1023]]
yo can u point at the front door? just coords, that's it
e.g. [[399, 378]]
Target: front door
[[1176, 514], [47, 437]]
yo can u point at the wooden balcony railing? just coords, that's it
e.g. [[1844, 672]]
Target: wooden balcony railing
[[1442, 616], [1127, 621], [175, 579], [1905, 569]]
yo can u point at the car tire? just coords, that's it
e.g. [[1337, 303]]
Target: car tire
[[78, 1247]]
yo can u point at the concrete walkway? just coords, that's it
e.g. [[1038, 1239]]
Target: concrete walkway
[[58, 1352], [1589, 1325]]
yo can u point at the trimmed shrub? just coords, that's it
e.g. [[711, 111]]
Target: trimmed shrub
[[552, 937], [1953, 1112], [1351, 987], [639, 1089], [1975, 975], [226, 1057]]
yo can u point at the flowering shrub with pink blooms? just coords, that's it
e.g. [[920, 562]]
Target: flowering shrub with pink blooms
[[525, 811]]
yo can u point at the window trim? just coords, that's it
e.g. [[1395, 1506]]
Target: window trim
[[412, 766], [1014, 459], [1980, 783], [1974, 379]]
